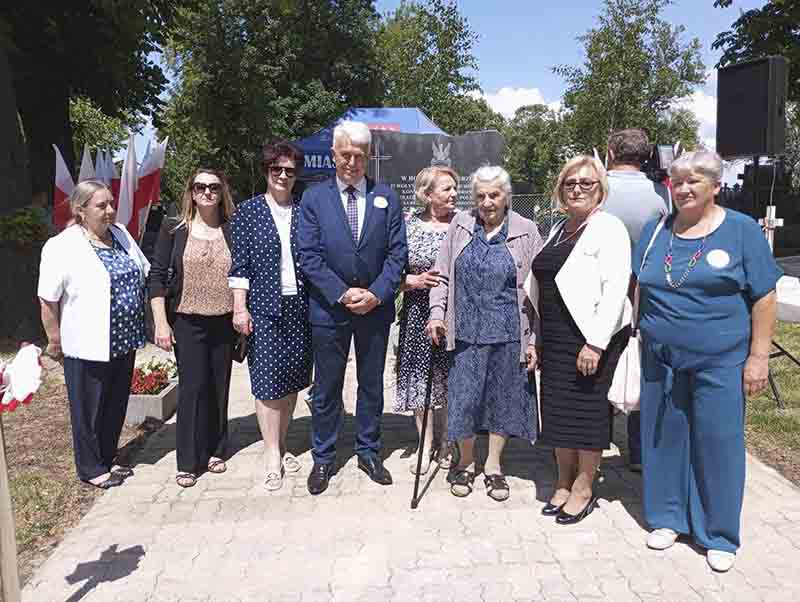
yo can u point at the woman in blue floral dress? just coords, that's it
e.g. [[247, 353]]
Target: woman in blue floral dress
[[437, 189]]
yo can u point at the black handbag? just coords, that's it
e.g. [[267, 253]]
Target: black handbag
[[171, 294], [240, 348]]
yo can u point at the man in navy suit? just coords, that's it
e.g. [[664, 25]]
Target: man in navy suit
[[352, 251]]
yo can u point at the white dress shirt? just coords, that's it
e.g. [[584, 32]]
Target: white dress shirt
[[361, 200], [283, 221]]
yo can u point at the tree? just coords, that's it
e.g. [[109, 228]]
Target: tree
[[93, 48], [100, 131], [771, 29], [249, 70], [535, 145], [426, 60], [14, 159], [637, 69]]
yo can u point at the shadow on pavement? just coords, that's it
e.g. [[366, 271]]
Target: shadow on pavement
[[111, 566]]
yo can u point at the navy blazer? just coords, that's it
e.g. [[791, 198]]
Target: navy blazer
[[332, 262], [256, 255]]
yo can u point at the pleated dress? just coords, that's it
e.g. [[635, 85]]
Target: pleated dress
[[574, 408]]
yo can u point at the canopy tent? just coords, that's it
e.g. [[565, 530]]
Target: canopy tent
[[317, 147]]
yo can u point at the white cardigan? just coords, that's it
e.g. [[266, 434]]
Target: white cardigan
[[72, 274], [595, 277]]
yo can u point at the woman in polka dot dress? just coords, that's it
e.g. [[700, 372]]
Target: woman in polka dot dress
[[271, 305], [91, 287], [437, 189]]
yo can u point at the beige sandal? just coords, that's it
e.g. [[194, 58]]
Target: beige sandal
[[290, 463], [273, 481]]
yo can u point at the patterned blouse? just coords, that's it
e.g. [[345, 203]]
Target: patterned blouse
[[486, 290], [206, 264], [127, 299]]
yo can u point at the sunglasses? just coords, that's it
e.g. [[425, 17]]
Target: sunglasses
[[276, 171], [199, 188]]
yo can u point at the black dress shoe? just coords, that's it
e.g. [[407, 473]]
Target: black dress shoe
[[565, 518], [319, 477], [551, 509], [375, 469]]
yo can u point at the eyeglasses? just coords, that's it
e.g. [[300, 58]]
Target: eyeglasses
[[199, 188], [585, 184], [277, 170]]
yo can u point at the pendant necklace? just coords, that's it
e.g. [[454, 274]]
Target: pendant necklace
[[692, 261], [578, 229]]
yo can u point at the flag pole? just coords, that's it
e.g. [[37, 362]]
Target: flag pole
[[9, 574]]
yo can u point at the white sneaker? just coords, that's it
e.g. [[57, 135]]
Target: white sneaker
[[720, 561], [661, 539]]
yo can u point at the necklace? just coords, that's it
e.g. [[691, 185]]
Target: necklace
[[692, 261], [575, 232], [93, 238]]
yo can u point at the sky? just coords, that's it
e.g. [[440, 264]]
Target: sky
[[520, 41]]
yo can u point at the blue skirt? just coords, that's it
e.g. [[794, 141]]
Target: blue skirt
[[490, 391], [279, 351]]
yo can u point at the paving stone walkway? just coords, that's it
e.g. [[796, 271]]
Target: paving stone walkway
[[228, 539]]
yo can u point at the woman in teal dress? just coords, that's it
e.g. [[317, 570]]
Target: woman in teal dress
[[707, 318]]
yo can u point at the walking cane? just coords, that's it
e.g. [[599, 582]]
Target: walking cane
[[420, 451]]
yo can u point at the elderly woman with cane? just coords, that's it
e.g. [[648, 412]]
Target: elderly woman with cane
[[481, 310], [707, 282]]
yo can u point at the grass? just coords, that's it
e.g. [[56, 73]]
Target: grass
[[47, 497], [773, 434]]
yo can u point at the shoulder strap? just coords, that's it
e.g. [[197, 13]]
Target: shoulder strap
[[658, 227], [636, 293]]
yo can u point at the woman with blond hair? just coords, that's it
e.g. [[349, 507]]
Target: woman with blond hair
[[91, 288], [580, 283], [437, 190], [192, 309]]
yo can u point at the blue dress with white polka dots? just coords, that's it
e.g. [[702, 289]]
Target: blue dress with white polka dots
[[127, 299]]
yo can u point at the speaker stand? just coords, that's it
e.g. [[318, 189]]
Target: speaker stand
[[781, 352]]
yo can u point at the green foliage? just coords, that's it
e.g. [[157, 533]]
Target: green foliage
[[98, 48], [250, 70], [535, 139], [637, 68], [425, 54], [771, 29], [24, 227], [90, 125]]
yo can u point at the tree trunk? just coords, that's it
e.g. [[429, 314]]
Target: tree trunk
[[13, 159], [43, 100]]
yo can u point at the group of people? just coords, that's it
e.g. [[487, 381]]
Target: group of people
[[486, 304]]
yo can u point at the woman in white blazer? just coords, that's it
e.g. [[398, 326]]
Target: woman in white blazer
[[91, 289], [580, 284]]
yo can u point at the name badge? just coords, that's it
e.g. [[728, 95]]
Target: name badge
[[718, 258], [380, 202]]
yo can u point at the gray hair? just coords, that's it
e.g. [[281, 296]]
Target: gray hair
[[82, 194], [705, 162], [354, 131], [492, 174]]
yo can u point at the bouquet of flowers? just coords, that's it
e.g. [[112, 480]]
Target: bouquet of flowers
[[153, 377], [20, 378]]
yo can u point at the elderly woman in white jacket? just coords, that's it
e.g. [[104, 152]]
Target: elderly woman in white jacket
[[580, 283], [91, 289]]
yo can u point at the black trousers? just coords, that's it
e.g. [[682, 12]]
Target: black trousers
[[98, 399], [203, 348]]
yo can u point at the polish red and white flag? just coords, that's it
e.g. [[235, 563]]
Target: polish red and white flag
[[63, 188]]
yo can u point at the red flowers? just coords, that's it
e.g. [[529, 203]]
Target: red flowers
[[152, 378]]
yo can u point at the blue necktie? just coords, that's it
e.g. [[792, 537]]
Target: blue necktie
[[352, 211]]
